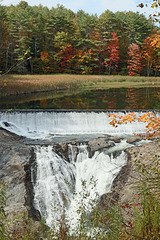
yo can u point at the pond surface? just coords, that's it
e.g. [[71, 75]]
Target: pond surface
[[113, 98]]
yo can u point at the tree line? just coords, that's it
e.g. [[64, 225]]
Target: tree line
[[38, 40]]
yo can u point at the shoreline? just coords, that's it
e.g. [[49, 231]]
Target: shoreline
[[17, 85]]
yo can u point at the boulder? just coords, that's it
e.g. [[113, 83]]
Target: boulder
[[133, 139], [99, 144]]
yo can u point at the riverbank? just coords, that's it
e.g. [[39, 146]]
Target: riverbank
[[23, 84]]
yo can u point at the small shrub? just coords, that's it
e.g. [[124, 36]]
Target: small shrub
[[3, 199], [143, 217]]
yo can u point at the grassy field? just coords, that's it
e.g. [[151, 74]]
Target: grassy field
[[19, 84]]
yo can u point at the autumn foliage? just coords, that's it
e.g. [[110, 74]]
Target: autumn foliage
[[134, 61], [58, 40], [113, 51], [151, 51], [153, 4], [152, 122]]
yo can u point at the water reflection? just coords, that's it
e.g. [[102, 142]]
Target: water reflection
[[113, 98]]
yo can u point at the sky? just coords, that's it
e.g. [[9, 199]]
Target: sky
[[89, 6]]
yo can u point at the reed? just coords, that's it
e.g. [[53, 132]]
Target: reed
[[20, 84]]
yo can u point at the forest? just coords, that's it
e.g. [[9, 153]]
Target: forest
[[39, 40]]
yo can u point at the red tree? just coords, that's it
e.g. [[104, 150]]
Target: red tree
[[66, 55], [113, 50], [134, 61]]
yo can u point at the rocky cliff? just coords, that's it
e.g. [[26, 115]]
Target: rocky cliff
[[15, 161]]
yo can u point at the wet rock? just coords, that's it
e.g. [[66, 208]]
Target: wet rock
[[99, 144], [61, 149], [96, 144], [116, 154], [6, 124], [64, 150], [115, 139], [133, 139]]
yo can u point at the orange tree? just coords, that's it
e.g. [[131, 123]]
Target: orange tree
[[152, 122], [134, 61], [155, 42], [156, 5], [151, 51]]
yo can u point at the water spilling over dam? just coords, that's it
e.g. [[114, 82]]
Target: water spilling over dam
[[39, 124]]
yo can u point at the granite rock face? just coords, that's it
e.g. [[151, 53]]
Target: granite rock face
[[144, 154], [15, 161]]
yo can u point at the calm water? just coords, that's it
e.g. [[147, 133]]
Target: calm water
[[115, 98]]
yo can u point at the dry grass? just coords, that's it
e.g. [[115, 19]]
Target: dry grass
[[18, 84]]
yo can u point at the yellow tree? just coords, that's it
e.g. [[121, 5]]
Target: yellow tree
[[151, 52], [156, 5], [152, 122], [155, 42]]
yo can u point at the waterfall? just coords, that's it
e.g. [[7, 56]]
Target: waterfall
[[57, 179], [42, 124], [50, 187]]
